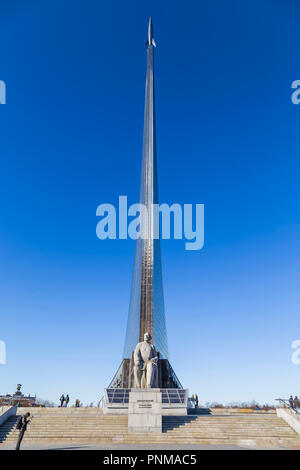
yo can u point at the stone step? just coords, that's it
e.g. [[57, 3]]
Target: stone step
[[178, 430], [183, 436], [125, 438], [221, 420], [238, 442], [161, 438], [125, 433], [241, 428]]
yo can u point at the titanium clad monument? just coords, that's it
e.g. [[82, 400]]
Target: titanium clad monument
[[145, 361]]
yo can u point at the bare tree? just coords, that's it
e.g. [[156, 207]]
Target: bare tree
[[46, 403]]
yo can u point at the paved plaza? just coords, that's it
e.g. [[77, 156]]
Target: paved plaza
[[69, 446]]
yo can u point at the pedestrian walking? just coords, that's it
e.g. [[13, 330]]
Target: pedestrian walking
[[22, 426], [291, 401], [67, 399]]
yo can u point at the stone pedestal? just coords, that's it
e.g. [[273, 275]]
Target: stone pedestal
[[144, 410]]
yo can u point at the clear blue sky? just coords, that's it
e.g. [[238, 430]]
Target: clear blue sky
[[71, 139]]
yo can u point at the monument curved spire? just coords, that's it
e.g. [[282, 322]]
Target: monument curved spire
[[146, 311]]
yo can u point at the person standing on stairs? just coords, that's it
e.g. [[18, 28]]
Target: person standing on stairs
[[22, 426], [67, 399], [62, 399]]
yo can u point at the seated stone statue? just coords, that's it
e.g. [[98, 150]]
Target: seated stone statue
[[145, 364]]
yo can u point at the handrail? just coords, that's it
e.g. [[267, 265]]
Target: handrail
[[286, 404]]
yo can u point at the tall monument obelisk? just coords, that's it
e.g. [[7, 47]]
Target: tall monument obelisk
[[146, 311]]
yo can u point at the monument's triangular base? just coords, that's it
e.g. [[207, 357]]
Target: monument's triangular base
[[124, 375]]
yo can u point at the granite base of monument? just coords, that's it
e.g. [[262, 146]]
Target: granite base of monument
[[145, 410], [174, 402]]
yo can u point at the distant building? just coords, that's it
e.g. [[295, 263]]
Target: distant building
[[18, 399]]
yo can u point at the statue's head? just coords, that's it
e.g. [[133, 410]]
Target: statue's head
[[147, 336]]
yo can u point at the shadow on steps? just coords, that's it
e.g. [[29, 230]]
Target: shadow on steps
[[7, 427], [173, 422], [199, 411]]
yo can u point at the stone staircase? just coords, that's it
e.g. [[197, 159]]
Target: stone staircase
[[260, 430], [90, 426], [8, 428]]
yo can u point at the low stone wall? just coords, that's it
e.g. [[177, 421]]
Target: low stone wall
[[289, 417], [226, 411], [6, 412]]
